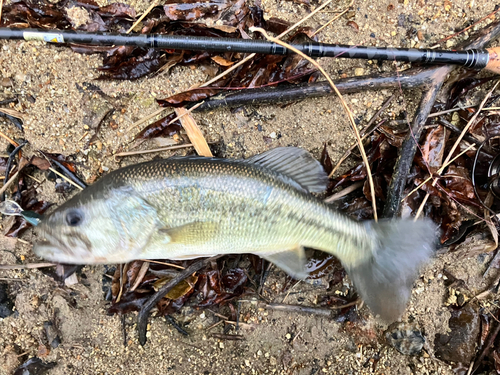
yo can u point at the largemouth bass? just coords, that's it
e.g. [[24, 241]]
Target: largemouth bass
[[190, 207]]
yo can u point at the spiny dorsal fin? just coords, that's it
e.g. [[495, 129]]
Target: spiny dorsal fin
[[296, 163]]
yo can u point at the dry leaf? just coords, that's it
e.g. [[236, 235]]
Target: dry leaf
[[225, 28], [193, 132], [180, 289], [222, 61]]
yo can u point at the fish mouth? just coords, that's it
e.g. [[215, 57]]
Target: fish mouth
[[54, 249]]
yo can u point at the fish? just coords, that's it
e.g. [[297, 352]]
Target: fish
[[191, 207]]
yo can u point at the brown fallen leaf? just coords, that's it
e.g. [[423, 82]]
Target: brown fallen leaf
[[193, 132], [184, 287], [41, 163], [354, 25], [222, 61]]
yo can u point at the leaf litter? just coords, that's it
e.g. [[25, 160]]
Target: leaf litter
[[453, 200]]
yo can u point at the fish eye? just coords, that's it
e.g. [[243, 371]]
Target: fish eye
[[74, 218]]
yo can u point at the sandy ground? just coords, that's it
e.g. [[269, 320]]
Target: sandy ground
[[60, 120]]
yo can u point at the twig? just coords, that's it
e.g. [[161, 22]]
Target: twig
[[344, 192], [218, 315], [142, 320], [65, 178], [8, 183], [214, 325], [176, 325], [70, 177], [1, 8], [334, 18], [413, 78], [252, 55], [228, 337], [163, 263], [344, 104], [11, 141], [307, 309], [26, 266], [410, 145], [130, 153], [153, 4], [436, 114], [454, 129], [9, 164], [144, 119], [15, 119]]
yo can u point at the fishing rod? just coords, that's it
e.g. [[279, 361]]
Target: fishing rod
[[488, 59]]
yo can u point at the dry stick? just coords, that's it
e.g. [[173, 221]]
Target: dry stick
[[8, 183], [25, 266], [409, 148], [164, 263], [130, 153], [65, 178], [344, 104], [457, 143], [365, 133], [334, 18], [11, 141], [436, 114], [144, 119], [307, 309], [457, 130], [344, 192], [142, 319], [252, 55], [413, 78], [155, 3], [410, 145]]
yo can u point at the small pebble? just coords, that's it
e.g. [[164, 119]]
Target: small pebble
[[359, 71]]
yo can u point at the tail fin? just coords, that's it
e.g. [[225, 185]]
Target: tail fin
[[384, 282]]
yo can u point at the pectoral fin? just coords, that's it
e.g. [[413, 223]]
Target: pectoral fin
[[197, 232], [292, 261], [134, 218]]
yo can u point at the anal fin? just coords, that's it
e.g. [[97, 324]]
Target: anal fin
[[291, 261]]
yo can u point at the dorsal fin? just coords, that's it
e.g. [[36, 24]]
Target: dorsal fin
[[295, 163]]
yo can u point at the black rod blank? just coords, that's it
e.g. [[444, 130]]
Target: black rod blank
[[474, 58]]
